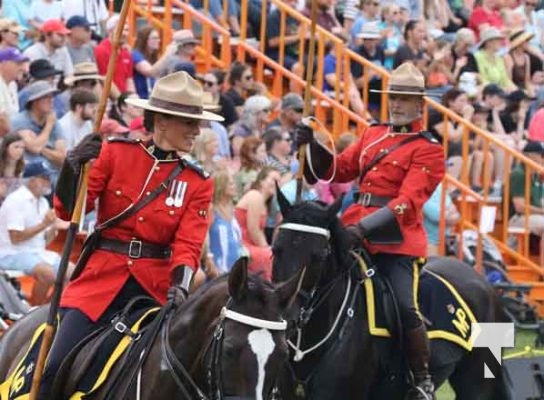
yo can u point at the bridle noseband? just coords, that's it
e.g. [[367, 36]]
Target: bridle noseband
[[213, 353]]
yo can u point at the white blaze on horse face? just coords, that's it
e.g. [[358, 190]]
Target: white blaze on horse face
[[262, 344]]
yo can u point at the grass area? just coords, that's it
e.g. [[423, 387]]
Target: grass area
[[523, 339]]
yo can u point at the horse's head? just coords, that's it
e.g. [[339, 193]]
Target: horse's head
[[311, 236], [253, 344]]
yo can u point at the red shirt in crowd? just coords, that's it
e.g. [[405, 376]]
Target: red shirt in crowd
[[481, 16], [124, 66]]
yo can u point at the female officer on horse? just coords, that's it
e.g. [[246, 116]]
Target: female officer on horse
[[152, 215], [398, 166]]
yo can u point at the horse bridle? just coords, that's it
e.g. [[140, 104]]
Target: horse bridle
[[213, 371]]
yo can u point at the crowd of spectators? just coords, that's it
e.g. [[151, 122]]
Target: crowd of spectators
[[482, 61]]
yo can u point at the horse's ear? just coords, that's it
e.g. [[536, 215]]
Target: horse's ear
[[285, 205], [335, 207], [288, 290], [238, 278]]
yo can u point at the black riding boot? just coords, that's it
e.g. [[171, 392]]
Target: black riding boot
[[417, 351]]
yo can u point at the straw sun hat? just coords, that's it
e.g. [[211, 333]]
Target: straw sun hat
[[177, 94], [406, 79], [489, 34], [519, 37]]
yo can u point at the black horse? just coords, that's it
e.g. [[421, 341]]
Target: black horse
[[229, 337], [333, 354]]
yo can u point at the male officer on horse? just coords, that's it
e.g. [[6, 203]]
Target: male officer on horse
[[398, 166]]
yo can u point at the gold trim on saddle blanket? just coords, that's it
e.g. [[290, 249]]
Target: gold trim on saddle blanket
[[461, 315]]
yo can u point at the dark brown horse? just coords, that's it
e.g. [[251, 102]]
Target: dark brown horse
[[333, 354], [229, 336]]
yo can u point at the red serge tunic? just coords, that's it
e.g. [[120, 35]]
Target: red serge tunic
[[408, 176], [123, 172]]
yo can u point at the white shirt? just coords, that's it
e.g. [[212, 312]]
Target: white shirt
[[94, 10], [72, 130], [60, 58], [22, 210], [9, 103], [42, 11]]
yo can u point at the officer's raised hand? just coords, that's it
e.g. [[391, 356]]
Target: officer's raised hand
[[303, 134], [85, 151]]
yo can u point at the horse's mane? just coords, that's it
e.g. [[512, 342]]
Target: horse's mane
[[319, 214]]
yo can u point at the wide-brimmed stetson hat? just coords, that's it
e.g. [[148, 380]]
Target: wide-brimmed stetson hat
[[84, 71], [406, 79], [489, 34], [177, 94], [519, 37]]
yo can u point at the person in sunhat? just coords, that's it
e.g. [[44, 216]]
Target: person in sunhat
[[517, 61], [398, 166], [153, 250]]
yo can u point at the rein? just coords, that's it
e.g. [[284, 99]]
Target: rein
[[214, 377]]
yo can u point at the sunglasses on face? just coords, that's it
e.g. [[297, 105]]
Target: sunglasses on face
[[298, 110], [531, 4], [265, 110], [248, 77], [209, 83], [287, 139]]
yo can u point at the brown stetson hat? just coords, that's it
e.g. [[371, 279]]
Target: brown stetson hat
[[177, 94], [406, 79]]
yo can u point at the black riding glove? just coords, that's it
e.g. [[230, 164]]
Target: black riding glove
[[86, 150], [355, 236], [303, 135], [182, 277]]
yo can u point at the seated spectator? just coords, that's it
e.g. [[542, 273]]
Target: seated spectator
[[325, 17], [78, 122], [79, 38], [205, 149], [252, 157], [124, 71], [182, 50], [225, 234], [480, 169], [124, 112], [27, 225], [432, 212], [95, 12], [491, 66], [371, 50], [44, 10], [12, 164], [518, 62], [534, 205], [52, 47], [11, 70], [536, 126], [213, 81], [19, 11], [440, 78], [110, 128], [252, 121], [485, 15], [512, 124], [251, 212], [344, 81], [534, 20], [457, 101], [215, 8], [240, 79], [289, 39], [40, 130], [85, 77], [291, 110], [278, 150], [413, 48], [463, 59], [9, 33], [223, 145], [390, 32], [370, 14]]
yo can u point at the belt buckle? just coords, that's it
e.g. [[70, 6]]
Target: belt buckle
[[135, 249], [365, 199]]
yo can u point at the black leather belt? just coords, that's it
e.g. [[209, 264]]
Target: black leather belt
[[134, 248], [371, 200]]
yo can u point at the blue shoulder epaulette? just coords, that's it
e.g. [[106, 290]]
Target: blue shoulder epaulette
[[123, 140], [430, 137], [190, 163]]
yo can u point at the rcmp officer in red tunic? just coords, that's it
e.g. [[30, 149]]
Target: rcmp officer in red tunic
[[155, 250], [398, 166]]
